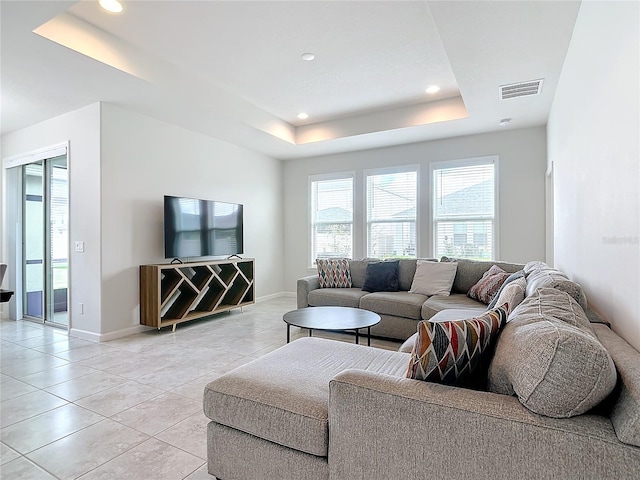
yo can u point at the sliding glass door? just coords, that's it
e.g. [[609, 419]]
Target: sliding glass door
[[46, 240]]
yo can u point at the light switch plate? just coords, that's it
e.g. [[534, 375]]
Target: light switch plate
[[80, 246]]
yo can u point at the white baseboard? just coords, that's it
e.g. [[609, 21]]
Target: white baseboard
[[274, 295], [105, 337], [84, 335]]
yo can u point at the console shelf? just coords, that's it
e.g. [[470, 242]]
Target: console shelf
[[178, 292]]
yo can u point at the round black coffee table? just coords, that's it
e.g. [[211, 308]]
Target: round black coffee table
[[331, 318]]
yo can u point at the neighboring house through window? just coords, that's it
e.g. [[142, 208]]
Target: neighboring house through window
[[463, 212], [331, 216], [464, 208], [391, 210]]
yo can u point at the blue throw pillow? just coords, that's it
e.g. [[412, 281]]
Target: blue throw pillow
[[382, 277]]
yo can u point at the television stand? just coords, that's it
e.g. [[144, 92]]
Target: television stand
[[179, 292]]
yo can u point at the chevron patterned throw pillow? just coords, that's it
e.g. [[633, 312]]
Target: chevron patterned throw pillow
[[456, 352], [334, 273]]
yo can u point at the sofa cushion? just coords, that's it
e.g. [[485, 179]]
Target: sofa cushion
[[333, 273], [551, 278], [382, 277], [338, 297], [554, 303], [399, 304], [625, 413], [406, 272], [534, 265], [487, 287], [510, 278], [470, 271], [394, 327], [456, 352], [513, 294], [358, 269], [408, 344], [433, 278], [438, 303], [550, 358], [285, 401]]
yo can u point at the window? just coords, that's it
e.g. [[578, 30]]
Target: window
[[464, 208], [391, 213], [331, 218]]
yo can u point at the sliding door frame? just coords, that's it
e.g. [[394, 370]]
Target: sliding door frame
[[13, 227]]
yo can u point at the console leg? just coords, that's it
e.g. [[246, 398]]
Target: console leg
[[173, 329]]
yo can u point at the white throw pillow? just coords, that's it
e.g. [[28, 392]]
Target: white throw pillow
[[433, 278]]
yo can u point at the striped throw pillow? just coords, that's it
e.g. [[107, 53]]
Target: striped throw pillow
[[487, 287]]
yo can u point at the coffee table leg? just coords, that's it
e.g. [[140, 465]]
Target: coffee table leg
[[368, 336], [288, 333], [311, 332], [357, 336]]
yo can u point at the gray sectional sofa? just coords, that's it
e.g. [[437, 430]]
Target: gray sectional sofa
[[562, 402], [399, 311]]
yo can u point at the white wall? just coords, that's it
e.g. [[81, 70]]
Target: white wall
[[120, 166], [144, 159], [521, 180], [593, 135], [81, 128]]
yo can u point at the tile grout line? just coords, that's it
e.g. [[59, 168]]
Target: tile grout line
[[226, 337]]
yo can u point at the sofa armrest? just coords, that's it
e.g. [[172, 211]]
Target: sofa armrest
[[383, 427], [305, 285]]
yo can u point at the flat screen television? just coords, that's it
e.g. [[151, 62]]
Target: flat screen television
[[202, 228]]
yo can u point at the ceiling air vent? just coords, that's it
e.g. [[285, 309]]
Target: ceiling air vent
[[522, 89]]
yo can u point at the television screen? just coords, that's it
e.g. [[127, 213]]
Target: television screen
[[200, 228]]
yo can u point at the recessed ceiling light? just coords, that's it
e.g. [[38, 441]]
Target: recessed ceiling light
[[432, 89], [112, 6], [308, 56], [303, 116], [504, 122]]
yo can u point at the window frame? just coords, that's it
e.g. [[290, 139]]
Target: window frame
[[365, 199], [310, 210], [460, 163]]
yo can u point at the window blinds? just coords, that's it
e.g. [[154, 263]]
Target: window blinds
[[464, 211], [391, 214], [332, 218]]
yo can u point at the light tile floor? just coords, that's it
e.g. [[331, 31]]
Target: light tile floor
[[129, 408]]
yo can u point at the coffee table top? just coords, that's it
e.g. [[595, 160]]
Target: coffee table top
[[331, 318]]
